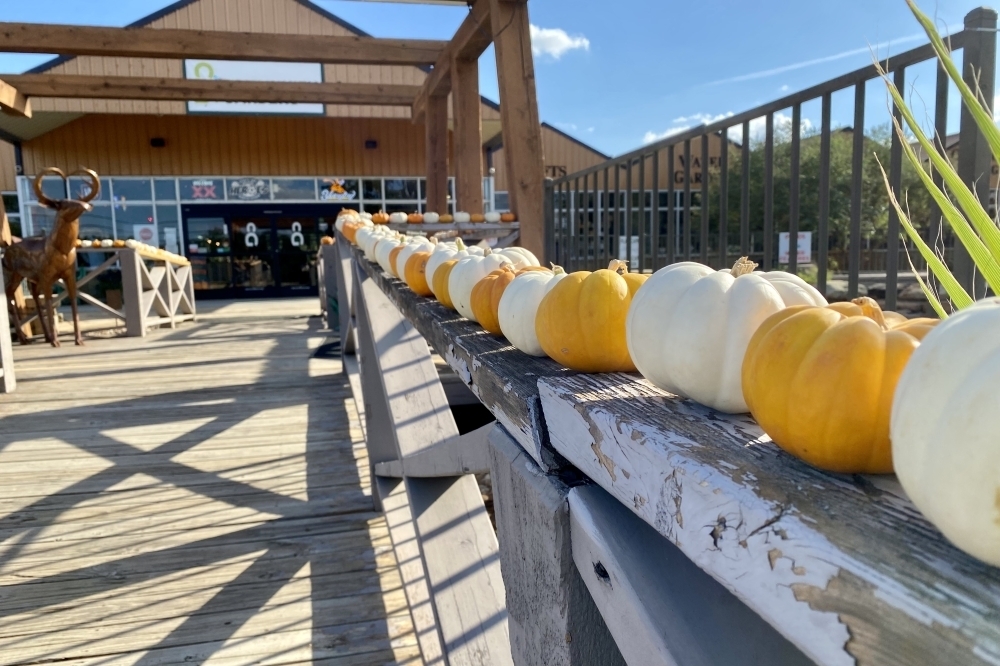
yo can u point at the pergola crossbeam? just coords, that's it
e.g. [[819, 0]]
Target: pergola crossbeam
[[472, 38], [166, 89], [74, 40], [13, 100]]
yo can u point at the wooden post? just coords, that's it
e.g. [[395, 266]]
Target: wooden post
[[468, 135], [132, 289], [6, 238], [7, 381], [436, 124], [522, 132]]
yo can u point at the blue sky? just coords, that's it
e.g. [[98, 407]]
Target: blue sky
[[618, 74]]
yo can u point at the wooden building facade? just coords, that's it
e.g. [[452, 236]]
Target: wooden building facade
[[193, 175]]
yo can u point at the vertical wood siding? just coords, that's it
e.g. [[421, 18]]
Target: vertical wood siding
[[251, 145], [8, 172], [559, 152]]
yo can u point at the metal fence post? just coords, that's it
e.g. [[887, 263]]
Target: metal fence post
[[550, 223], [974, 157]]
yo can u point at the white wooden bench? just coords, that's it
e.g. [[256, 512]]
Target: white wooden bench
[[8, 382], [635, 527]]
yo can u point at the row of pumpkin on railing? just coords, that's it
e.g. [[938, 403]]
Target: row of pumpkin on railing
[[825, 381]]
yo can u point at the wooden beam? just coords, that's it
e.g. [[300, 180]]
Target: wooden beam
[[152, 88], [436, 124], [13, 100], [77, 40], [468, 135], [471, 39], [522, 132]]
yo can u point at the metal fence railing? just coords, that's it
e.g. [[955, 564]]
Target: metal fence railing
[[700, 195]]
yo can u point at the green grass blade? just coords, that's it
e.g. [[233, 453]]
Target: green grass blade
[[989, 233], [959, 297], [981, 114], [924, 287], [987, 265]]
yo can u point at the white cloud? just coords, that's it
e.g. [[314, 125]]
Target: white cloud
[[783, 88], [684, 123], [590, 130], [555, 42], [566, 127]]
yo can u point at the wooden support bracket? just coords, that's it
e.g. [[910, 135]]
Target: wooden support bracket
[[13, 101], [464, 454]]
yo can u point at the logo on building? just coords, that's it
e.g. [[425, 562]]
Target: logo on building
[[203, 189], [334, 190], [249, 189]]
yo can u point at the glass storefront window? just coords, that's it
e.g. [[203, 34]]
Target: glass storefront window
[[294, 188], [42, 219], [202, 189], [338, 189], [136, 221], [165, 189], [52, 186], [168, 224], [410, 207], [372, 189], [97, 224], [401, 188], [80, 187], [248, 189], [132, 189]]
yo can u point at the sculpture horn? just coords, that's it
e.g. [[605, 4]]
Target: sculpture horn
[[95, 183], [42, 199]]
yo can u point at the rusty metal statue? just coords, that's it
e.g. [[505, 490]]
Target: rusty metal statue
[[43, 260]]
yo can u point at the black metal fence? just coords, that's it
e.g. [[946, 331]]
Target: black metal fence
[[626, 208]]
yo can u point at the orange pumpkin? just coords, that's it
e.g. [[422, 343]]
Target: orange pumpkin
[[326, 240], [508, 217], [441, 276], [477, 217], [415, 273], [446, 218], [95, 243], [485, 300], [380, 217], [415, 218], [350, 230], [392, 257], [78, 243]]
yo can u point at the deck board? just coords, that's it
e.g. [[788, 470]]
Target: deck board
[[198, 496]]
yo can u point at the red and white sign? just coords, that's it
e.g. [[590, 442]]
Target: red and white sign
[[145, 233], [804, 247]]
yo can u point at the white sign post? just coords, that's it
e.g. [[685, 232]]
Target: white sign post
[[804, 247], [235, 70]]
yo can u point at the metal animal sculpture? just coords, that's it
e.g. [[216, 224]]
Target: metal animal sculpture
[[43, 260]]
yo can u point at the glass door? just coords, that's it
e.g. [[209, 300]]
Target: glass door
[[208, 250], [253, 254], [297, 238]]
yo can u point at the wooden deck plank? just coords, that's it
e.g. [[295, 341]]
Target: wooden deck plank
[[198, 496]]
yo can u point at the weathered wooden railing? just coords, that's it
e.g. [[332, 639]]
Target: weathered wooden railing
[[633, 526], [158, 295]]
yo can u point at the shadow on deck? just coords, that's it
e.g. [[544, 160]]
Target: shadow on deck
[[200, 496]]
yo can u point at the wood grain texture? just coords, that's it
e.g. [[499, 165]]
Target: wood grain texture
[[197, 496], [521, 126], [553, 619], [8, 380], [504, 379], [844, 567], [76, 40], [437, 141], [468, 135], [150, 88]]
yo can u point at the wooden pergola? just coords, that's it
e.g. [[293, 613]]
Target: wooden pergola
[[454, 71]]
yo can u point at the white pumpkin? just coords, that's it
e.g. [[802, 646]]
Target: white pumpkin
[[492, 217], [520, 257], [688, 327], [397, 218], [419, 244], [442, 253], [344, 216], [366, 216], [463, 217], [382, 251], [466, 273], [367, 238], [431, 218], [519, 305], [107, 242], [945, 446], [131, 243]]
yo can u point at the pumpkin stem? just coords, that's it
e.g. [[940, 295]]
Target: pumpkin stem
[[459, 244], [618, 266], [743, 267], [557, 270], [870, 308], [487, 252]]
